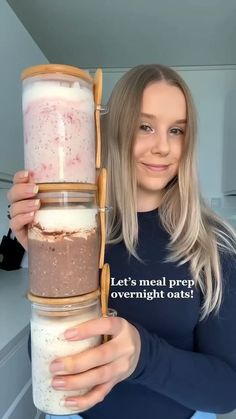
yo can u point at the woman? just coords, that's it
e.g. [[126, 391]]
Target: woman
[[172, 352]]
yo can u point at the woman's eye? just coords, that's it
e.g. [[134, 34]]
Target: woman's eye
[[177, 131], [146, 128]]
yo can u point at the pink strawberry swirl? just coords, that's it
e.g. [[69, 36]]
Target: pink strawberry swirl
[[59, 141]]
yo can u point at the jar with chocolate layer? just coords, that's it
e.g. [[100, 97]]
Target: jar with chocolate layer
[[64, 242], [59, 124], [50, 318]]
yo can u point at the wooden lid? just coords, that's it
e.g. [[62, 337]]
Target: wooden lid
[[55, 68], [63, 301], [67, 187]]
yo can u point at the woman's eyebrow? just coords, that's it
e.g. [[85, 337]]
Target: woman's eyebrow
[[181, 121], [153, 117], [148, 115]]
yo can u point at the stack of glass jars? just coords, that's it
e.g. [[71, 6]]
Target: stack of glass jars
[[62, 146]]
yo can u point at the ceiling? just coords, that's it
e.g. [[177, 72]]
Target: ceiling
[[124, 33]]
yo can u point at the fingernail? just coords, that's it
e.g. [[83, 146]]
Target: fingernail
[[32, 189], [34, 204], [71, 333], [28, 215], [57, 367], [58, 383], [24, 174], [70, 403]]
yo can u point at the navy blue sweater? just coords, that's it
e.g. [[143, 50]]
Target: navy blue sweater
[[185, 364]]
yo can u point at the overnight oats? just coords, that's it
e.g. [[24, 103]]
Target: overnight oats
[[64, 245], [59, 124], [49, 320]]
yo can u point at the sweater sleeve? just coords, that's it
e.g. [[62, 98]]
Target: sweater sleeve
[[206, 378]]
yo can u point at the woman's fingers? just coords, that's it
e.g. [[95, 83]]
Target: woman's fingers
[[22, 188], [86, 360], [22, 237], [18, 226], [99, 368], [91, 378], [20, 191], [20, 221], [92, 357], [24, 207], [21, 176], [92, 397], [96, 327], [103, 354]]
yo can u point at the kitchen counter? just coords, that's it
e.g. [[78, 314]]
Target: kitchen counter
[[14, 308], [15, 369]]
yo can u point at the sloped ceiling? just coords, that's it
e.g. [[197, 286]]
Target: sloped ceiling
[[124, 33]]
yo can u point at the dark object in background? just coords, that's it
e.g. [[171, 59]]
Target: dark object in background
[[11, 253]]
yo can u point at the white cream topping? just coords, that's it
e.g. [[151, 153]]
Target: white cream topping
[[56, 89], [66, 219]]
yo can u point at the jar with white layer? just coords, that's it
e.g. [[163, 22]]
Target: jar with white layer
[[50, 318], [59, 124], [64, 242]]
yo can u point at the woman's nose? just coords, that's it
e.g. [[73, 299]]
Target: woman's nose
[[160, 144]]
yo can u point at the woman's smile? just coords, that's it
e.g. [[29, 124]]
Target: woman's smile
[[155, 167]]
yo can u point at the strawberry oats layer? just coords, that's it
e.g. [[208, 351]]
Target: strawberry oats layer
[[59, 133]]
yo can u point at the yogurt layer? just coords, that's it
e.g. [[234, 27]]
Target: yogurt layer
[[48, 343], [66, 219]]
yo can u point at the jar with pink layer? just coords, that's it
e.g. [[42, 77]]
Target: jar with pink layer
[[59, 124]]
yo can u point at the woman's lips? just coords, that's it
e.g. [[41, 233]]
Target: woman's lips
[[156, 167]]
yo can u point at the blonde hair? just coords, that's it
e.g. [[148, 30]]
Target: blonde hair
[[197, 234]]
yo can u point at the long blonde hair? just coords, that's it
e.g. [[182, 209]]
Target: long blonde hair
[[197, 234]]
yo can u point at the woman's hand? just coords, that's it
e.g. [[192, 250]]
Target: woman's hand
[[97, 368], [22, 207]]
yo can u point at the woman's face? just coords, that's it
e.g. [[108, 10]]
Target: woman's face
[[159, 141]]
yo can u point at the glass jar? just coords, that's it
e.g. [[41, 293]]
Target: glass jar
[[59, 124], [64, 242], [49, 320]]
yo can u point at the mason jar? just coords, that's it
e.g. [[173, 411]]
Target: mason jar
[[50, 318], [64, 242], [59, 124]]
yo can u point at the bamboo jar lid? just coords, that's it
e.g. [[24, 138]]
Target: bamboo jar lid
[[74, 187], [53, 305], [64, 193], [55, 68], [64, 300]]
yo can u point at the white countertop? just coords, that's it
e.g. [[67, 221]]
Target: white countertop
[[14, 308]]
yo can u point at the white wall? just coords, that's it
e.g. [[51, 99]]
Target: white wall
[[17, 51], [210, 87]]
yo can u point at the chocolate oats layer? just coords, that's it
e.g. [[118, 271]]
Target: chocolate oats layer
[[63, 264]]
